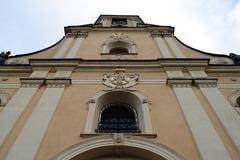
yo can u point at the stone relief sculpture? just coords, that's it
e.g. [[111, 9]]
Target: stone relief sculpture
[[118, 36], [4, 98], [234, 100], [120, 79]]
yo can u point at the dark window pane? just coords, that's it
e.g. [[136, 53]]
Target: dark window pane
[[118, 118], [118, 50], [119, 22]]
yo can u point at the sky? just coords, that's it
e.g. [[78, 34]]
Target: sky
[[208, 25]]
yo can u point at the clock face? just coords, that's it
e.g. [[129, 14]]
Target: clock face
[[119, 22]]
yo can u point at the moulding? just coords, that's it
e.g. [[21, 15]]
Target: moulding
[[58, 82], [127, 54], [56, 62], [205, 82], [32, 82], [90, 135], [168, 33], [119, 141], [79, 34], [179, 82]]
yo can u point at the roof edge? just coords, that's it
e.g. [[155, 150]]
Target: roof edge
[[207, 53], [35, 52]]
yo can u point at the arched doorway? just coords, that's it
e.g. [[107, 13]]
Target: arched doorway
[[118, 147]]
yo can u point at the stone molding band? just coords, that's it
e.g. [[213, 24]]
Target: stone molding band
[[77, 34], [162, 34], [119, 141], [50, 82], [188, 82]]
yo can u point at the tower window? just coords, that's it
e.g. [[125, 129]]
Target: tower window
[[119, 50], [119, 22], [118, 118]]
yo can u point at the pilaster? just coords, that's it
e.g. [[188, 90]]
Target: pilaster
[[64, 47], [15, 107], [158, 37], [206, 138], [79, 36], [39, 120]]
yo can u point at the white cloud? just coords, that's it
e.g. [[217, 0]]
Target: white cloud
[[209, 25]]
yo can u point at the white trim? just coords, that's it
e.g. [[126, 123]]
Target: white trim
[[94, 110], [141, 143], [97, 81]]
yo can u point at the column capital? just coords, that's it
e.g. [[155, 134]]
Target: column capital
[[205, 82], [77, 34], [162, 34], [180, 82]]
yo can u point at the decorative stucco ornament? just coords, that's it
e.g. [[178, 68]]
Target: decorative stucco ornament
[[118, 36], [234, 99], [119, 79], [4, 98]]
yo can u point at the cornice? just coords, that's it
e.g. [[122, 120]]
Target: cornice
[[180, 82], [32, 82], [79, 34], [168, 33], [59, 62], [49, 82], [223, 68], [205, 82], [58, 82]]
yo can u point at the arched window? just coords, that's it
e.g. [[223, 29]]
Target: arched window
[[118, 118], [118, 50]]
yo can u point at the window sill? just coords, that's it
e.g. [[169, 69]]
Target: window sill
[[89, 135]]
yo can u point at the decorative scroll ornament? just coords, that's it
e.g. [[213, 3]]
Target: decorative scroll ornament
[[118, 36], [120, 79], [4, 98], [234, 99]]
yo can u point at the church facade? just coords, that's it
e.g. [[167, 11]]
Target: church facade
[[119, 89]]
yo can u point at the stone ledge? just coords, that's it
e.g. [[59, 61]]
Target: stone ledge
[[180, 82], [89, 135]]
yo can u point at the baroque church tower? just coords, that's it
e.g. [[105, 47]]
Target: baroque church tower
[[119, 89]]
